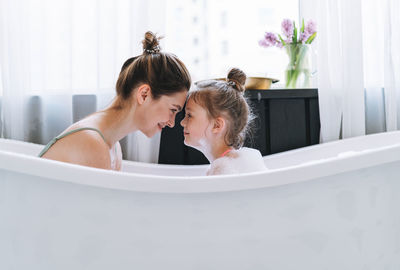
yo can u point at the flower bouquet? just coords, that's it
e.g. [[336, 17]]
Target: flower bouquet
[[297, 46]]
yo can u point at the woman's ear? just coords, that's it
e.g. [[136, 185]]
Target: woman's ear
[[219, 125], [143, 93]]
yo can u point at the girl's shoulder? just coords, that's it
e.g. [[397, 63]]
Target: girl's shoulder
[[221, 165], [246, 152], [238, 161], [247, 160]]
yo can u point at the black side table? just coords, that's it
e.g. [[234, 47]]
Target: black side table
[[286, 119]]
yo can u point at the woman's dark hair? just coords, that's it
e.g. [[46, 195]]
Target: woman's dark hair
[[163, 72], [225, 98]]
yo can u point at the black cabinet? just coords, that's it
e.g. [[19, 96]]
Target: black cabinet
[[285, 119]]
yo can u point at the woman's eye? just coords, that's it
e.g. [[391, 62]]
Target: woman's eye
[[174, 110], [188, 115]]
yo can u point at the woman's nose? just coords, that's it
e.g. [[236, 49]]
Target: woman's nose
[[171, 122]]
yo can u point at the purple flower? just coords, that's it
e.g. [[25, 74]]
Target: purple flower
[[304, 36], [270, 39], [311, 27], [289, 40], [287, 28], [263, 43]]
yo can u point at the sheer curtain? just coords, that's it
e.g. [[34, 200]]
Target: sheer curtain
[[358, 65], [59, 61], [391, 63]]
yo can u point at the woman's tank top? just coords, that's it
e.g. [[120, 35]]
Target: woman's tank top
[[59, 137]]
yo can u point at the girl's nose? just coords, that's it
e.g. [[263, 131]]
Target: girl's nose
[[183, 122]]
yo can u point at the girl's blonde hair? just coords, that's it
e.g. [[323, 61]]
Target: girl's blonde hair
[[225, 98]]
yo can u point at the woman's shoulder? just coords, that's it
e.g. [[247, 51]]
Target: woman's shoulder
[[81, 146]]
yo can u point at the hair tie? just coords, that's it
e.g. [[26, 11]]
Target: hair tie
[[155, 49], [231, 83], [235, 85]]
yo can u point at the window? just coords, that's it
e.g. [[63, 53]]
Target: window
[[79, 46], [227, 34]]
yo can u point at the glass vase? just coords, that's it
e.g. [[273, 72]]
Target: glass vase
[[298, 71]]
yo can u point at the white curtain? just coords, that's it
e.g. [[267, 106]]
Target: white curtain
[[358, 65], [391, 16], [59, 60]]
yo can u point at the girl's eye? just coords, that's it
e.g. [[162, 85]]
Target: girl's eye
[[174, 110], [188, 115]]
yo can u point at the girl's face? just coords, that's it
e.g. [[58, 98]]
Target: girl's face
[[161, 112], [196, 125]]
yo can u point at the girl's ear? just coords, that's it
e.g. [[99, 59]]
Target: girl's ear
[[143, 93], [219, 125]]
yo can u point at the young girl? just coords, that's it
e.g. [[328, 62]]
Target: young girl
[[216, 121]]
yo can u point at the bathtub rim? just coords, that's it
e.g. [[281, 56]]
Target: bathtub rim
[[77, 174]]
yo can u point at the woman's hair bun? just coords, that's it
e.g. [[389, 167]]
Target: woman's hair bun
[[151, 43], [237, 78]]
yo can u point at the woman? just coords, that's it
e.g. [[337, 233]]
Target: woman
[[151, 90]]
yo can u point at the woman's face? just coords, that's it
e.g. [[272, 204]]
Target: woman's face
[[160, 113], [196, 124]]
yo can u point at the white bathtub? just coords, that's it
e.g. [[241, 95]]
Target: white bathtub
[[331, 206]]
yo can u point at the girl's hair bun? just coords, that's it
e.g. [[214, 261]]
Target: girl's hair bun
[[151, 43], [237, 78]]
